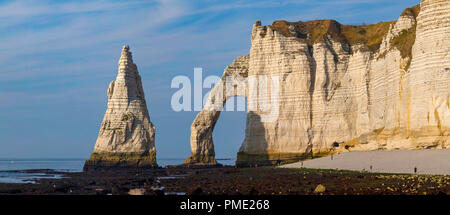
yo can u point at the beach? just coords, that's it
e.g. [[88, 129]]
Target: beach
[[346, 173], [228, 180], [429, 161]]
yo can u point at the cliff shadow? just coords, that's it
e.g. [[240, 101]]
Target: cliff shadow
[[255, 150], [254, 128]]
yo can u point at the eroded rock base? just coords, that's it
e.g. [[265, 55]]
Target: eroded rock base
[[121, 160], [200, 160], [276, 158]]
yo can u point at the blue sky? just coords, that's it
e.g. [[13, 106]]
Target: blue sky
[[58, 58]]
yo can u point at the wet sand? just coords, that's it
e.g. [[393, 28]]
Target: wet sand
[[429, 161]]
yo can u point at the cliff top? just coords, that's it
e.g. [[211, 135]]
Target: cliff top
[[313, 31], [405, 40], [412, 11]]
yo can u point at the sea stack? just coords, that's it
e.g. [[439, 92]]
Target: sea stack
[[127, 136]]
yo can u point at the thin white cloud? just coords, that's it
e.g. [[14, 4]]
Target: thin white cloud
[[25, 8], [77, 32], [120, 23]]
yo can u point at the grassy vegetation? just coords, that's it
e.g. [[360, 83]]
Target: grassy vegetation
[[413, 11], [370, 36], [404, 41], [125, 117]]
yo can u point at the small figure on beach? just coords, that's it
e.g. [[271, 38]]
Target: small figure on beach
[[415, 170]]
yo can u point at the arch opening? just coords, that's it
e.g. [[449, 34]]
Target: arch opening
[[233, 83], [229, 131]]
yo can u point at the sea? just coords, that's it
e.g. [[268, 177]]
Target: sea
[[13, 170]]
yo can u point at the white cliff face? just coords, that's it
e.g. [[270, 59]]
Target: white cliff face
[[428, 79], [126, 137], [335, 96]]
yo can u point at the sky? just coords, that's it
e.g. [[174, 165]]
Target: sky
[[58, 58]]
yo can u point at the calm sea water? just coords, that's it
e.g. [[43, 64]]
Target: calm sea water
[[66, 165], [63, 165]]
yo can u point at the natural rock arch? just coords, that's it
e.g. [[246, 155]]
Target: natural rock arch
[[392, 93], [232, 83]]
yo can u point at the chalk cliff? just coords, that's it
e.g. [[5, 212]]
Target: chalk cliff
[[126, 137], [341, 87]]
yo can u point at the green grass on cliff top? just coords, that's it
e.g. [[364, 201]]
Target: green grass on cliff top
[[314, 31], [370, 36]]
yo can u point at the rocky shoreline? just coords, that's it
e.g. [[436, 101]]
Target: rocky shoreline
[[228, 180]]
